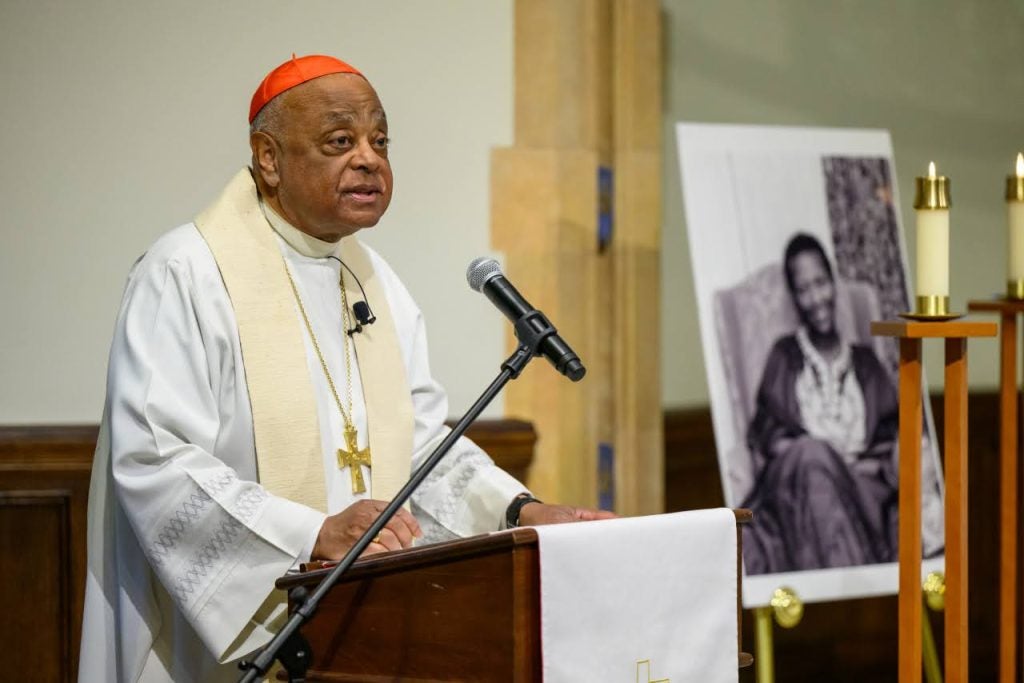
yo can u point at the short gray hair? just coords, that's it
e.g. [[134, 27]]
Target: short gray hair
[[269, 119]]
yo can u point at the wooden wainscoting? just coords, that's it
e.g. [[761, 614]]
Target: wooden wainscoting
[[854, 641], [44, 486], [44, 479]]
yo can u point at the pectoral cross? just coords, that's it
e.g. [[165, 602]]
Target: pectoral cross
[[354, 458]]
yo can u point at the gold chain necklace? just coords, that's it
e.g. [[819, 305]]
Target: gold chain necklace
[[353, 458]]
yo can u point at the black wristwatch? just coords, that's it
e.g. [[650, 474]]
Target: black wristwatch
[[512, 512]]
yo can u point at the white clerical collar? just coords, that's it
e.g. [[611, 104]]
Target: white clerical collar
[[302, 242]]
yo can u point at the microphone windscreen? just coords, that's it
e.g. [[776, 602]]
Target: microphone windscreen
[[481, 269]]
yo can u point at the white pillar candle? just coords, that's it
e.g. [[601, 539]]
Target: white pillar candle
[[932, 252], [932, 206], [1015, 221]]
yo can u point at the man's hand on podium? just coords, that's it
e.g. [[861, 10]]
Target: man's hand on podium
[[341, 531], [536, 514]]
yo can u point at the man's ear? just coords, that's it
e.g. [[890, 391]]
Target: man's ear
[[265, 156]]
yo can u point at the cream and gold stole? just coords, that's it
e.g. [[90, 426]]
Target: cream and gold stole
[[285, 424]]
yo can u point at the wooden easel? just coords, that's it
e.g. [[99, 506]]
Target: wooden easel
[[1008, 311], [910, 335], [787, 609]]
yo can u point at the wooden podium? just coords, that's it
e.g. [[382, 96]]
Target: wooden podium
[[466, 610]]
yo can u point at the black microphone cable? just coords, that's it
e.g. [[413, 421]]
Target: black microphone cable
[[364, 314]]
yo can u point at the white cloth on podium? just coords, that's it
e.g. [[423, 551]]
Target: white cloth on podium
[[640, 599]]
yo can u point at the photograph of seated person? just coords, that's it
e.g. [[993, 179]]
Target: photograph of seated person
[[823, 438]]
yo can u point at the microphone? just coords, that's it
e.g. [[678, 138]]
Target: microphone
[[484, 275], [361, 309]]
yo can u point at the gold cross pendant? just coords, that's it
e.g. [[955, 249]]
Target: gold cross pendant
[[353, 458]]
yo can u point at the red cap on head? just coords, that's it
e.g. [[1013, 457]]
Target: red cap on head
[[296, 71]]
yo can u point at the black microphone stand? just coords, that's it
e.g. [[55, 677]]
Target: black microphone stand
[[289, 646]]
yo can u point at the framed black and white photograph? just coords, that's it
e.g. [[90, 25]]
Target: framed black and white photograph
[[796, 247]]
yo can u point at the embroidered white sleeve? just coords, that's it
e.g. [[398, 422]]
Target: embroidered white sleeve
[[195, 518], [466, 494], [203, 534]]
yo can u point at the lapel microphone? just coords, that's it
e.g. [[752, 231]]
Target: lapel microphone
[[361, 309], [364, 316]]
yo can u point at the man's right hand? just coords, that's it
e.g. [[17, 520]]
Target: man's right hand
[[341, 531]]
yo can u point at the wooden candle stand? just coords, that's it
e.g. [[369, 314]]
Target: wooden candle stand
[[910, 335], [1008, 311]]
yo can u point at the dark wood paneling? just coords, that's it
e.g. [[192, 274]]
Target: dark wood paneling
[[855, 640], [44, 485], [35, 571], [840, 642]]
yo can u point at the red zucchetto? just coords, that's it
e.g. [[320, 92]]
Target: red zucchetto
[[296, 71]]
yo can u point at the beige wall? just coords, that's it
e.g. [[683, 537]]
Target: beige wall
[[943, 77], [120, 120]]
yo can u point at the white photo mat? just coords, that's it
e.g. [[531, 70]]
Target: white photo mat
[[746, 190]]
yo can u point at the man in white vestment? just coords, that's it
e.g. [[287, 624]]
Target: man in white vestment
[[247, 427]]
